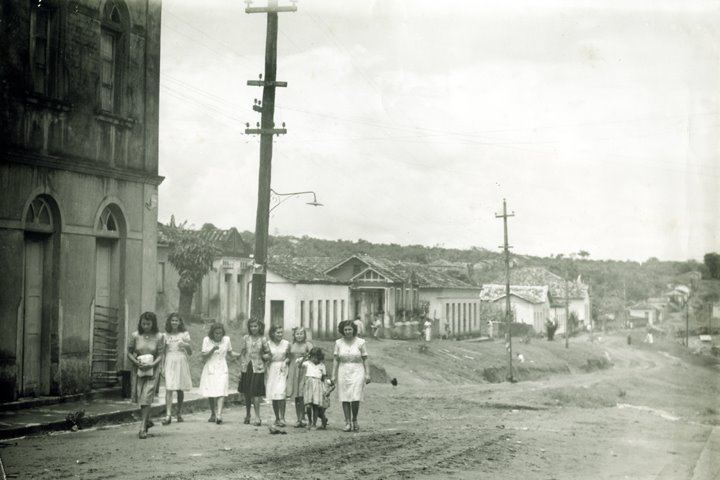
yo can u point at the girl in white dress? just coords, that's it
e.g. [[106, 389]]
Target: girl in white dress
[[176, 367], [277, 372], [214, 378], [350, 372]]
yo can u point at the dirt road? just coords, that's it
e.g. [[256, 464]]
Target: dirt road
[[649, 416]]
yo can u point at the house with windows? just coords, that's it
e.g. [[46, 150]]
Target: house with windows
[[644, 313], [223, 293], [529, 304], [572, 296], [78, 189]]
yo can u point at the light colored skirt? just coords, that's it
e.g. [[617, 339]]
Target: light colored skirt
[[276, 381], [177, 372], [351, 382], [314, 393]]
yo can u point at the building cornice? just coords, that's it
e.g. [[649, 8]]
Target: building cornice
[[78, 165]]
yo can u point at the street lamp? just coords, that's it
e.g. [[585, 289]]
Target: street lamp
[[259, 276], [278, 198]]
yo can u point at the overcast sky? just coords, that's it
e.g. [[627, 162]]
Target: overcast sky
[[412, 120]]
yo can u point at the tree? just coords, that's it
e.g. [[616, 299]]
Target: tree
[[192, 257], [712, 262]]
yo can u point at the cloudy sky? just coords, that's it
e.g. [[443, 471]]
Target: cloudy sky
[[598, 121]]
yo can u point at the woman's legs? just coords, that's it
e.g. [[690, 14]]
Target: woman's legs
[[256, 407], [211, 402], [144, 419], [219, 407], [282, 412], [168, 403], [180, 399], [346, 413], [248, 407], [276, 410], [299, 410], [355, 407]]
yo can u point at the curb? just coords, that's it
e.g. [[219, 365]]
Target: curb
[[114, 417]]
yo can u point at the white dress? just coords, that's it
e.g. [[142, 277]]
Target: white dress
[[177, 368], [277, 370], [214, 378], [351, 372]]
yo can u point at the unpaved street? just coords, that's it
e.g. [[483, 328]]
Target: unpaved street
[[649, 416]]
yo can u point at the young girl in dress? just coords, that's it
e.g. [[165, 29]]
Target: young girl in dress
[[314, 393], [214, 378], [277, 372], [255, 352], [176, 365], [329, 388], [296, 373]]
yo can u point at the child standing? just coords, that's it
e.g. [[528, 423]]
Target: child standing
[[296, 374], [329, 388], [214, 378], [314, 393], [176, 366]]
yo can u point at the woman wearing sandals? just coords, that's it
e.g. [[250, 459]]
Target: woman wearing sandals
[[214, 377], [350, 372], [145, 351], [299, 348], [255, 352], [176, 367]]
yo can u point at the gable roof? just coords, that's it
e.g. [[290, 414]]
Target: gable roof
[[538, 276], [303, 269], [402, 272], [493, 292]]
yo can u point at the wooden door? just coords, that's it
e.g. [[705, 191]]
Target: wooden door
[[32, 316], [277, 313], [103, 274]]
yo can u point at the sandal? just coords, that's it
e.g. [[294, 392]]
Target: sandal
[[212, 418], [324, 423], [246, 421], [167, 420], [218, 420], [257, 422], [180, 418], [299, 424], [142, 435], [347, 427], [356, 427]]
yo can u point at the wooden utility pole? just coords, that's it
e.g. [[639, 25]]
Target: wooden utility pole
[[567, 313], [266, 131], [508, 312]]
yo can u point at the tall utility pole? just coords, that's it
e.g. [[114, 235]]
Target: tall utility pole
[[266, 131], [567, 313], [508, 312]]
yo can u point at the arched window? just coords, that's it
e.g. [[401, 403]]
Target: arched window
[[113, 53], [107, 224], [39, 216]]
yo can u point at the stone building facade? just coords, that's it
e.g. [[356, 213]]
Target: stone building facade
[[79, 93]]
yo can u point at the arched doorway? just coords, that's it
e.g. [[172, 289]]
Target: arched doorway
[[39, 294], [107, 315]]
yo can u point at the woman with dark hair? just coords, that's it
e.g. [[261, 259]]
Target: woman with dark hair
[[176, 367], [145, 351], [277, 372], [214, 378], [350, 372], [255, 351]]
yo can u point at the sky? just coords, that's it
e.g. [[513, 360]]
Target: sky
[[597, 122]]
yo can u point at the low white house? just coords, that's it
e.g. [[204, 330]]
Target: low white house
[[530, 305]]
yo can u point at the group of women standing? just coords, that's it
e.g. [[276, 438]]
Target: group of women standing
[[271, 367]]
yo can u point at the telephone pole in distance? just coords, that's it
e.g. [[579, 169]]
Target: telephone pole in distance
[[266, 129], [508, 313]]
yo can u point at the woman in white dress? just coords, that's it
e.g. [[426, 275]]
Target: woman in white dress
[[214, 378], [350, 372], [176, 368], [277, 372]]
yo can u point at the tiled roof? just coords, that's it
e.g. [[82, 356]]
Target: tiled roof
[[538, 276], [304, 269], [493, 292], [398, 271], [227, 241]]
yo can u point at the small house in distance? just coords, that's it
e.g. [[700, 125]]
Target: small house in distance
[[529, 304]]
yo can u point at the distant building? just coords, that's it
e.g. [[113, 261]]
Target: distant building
[[79, 85], [643, 314], [223, 293], [574, 293], [529, 305]]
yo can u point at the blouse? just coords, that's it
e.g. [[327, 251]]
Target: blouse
[[252, 350]]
